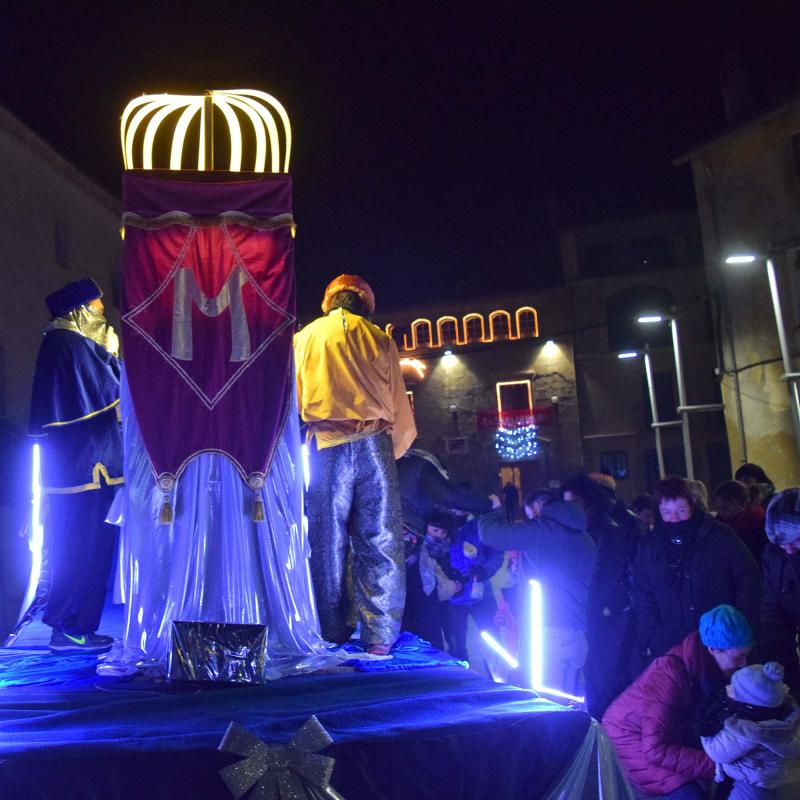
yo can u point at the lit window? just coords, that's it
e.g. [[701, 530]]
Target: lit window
[[448, 331], [527, 323], [514, 400], [422, 333], [500, 325], [473, 325]]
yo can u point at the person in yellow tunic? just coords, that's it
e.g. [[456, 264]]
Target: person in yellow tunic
[[351, 396]]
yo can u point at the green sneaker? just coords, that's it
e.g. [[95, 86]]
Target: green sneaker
[[61, 642]]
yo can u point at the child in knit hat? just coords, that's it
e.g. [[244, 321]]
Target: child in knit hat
[[759, 744]]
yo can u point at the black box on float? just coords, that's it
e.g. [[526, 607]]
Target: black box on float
[[218, 652]]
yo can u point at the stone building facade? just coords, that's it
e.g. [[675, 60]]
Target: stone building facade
[[747, 183], [500, 362]]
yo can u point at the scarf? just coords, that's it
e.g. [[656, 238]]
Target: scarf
[[88, 323]]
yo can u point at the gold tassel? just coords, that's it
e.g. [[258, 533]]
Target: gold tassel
[[166, 516], [258, 509]]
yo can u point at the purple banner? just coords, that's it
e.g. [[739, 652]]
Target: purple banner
[[208, 317]]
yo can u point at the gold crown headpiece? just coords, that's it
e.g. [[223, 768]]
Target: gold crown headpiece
[[190, 119]]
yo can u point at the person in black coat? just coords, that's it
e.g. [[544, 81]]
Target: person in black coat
[[780, 599], [688, 565], [611, 626]]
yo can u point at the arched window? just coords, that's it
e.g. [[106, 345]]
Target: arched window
[[473, 328], [527, 322], [500, 325], [447, 328], [422, 333], [400, 335]]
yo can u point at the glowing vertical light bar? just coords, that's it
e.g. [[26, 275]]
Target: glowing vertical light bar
[[306, 464], [179, 136], [537, 635], [234, 129], [537, 645], [36, 536], [499, 649], [201, 151]]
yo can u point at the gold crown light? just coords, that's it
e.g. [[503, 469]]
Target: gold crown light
[[162, 115]]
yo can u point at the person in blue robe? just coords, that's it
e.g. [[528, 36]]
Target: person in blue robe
[[74, 412]]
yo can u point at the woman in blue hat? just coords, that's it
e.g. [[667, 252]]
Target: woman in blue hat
[[652, 723]]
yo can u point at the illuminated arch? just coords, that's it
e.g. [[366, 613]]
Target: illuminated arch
[[159, 113], [497, 315], [415, 326], [414, 364], [440, 323], [466, 320], [527, 312]]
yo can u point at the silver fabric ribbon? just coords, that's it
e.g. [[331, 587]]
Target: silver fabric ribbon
[[279, 772]]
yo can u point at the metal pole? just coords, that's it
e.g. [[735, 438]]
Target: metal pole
[[208, 121], [648, 371], [687, 439], [786, 353]]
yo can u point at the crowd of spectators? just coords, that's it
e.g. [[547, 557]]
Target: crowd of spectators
[[650, 610]]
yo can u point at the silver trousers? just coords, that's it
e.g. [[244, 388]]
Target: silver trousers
[[354, 500]]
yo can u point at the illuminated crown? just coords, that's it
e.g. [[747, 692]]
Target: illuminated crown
[[164, 131]]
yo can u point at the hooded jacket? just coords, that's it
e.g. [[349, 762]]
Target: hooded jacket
[[652, 722], [765, 754], [557, 551]]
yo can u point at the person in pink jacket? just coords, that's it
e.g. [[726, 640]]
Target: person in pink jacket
[[652, 723]]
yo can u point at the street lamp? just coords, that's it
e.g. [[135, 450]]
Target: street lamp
[[683, 409], [789, 375], [656, 424]]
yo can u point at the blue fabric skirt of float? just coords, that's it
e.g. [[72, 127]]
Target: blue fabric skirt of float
[[213, 562]]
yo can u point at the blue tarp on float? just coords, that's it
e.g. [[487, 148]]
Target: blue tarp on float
[[412, 732]]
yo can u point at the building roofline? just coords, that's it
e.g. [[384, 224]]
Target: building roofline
[[733, 132], [36, 144]]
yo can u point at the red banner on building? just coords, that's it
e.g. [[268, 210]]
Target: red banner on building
[[515, 417], [208, 318]]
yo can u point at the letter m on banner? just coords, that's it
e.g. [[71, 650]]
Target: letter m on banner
[[186, 291]]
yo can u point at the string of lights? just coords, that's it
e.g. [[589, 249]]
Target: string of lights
[[517, 444]]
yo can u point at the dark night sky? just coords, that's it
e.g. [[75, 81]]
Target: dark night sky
[[435, 149]]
